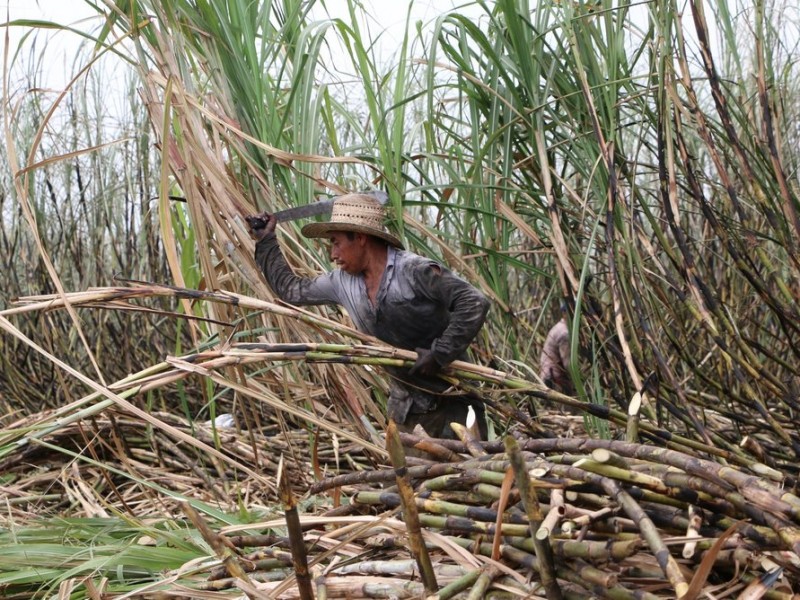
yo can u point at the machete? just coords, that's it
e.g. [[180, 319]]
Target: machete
[[320, 207]]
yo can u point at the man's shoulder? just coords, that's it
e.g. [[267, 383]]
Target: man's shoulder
[[408, 259], [558, 332]]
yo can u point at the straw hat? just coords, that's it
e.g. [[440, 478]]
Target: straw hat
[[358, 213]]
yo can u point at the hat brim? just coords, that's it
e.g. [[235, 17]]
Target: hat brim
[[319, 230]]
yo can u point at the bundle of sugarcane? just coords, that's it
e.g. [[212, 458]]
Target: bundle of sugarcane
[[712, 435], [605, 518], [588, 522]]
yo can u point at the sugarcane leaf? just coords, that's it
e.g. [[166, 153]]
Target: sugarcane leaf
[[707, 564], [505, 491]]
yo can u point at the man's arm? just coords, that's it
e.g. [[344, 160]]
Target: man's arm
[[280, 277], [467, 306]]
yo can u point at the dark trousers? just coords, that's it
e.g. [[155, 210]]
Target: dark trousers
[[451, 409]]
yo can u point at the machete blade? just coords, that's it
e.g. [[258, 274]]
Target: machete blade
[[320, 207], [312, 209]]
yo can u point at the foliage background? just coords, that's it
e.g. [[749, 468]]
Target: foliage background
[[532, 149], [629, 163]]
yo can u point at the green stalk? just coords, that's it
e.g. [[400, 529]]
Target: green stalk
[[542, 544], [650, 535], [417, 544], [296, 539]]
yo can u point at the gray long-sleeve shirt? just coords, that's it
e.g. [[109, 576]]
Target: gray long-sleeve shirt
[[419, 304]]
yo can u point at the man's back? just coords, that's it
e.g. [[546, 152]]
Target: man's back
[[554, 360]]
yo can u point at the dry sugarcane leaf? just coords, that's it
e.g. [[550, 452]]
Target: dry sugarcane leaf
[[704, 570], [315, 457], [457, 554], [518, 221], [505, 490]]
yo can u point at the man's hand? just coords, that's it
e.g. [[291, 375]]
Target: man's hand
[[261, 225], [426, 364]]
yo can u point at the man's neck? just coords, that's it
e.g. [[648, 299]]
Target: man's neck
[[377, 257]]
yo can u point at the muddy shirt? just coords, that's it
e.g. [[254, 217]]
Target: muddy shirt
[[419, 304]]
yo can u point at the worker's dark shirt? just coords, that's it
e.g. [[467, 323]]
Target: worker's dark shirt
[[419, 304]]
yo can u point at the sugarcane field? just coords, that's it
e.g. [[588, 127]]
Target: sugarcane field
[[317, 299]]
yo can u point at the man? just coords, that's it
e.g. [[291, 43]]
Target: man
[[399, 297], [554, 360]]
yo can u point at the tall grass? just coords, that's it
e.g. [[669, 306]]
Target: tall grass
[[627, 162], [556, 155], [87, 179], [637, 163], [595, 157]]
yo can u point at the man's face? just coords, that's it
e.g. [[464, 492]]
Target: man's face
[[347, 253]]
